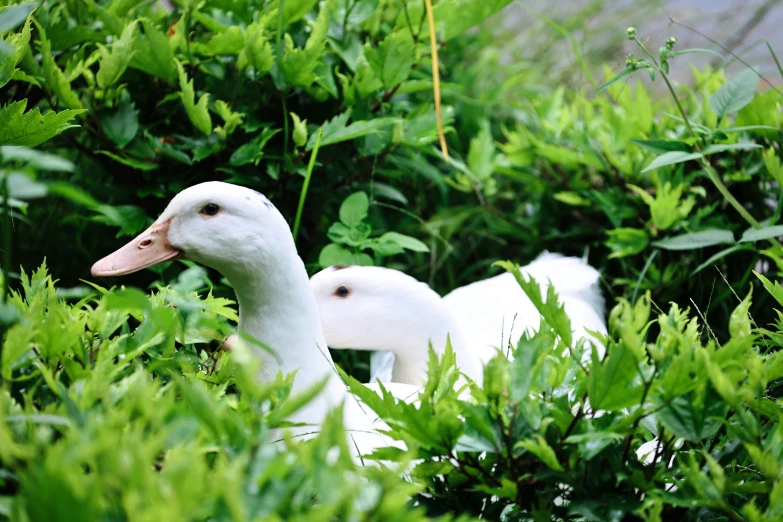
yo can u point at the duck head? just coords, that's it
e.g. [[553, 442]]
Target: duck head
[[217, 224]]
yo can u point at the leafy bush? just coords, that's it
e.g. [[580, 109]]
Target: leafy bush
[[110, 107]]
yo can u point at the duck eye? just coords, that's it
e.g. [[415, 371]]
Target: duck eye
[[210, 209], [342, 291]]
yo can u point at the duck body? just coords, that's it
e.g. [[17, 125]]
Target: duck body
[[496, 311]]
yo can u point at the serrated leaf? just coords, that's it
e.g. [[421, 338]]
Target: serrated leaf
[[735, 94], [610, 383], [258, 49], [671, 158], [197, 112], [155, 55], [690, 419], [113, 63], [230, 41], [31, 128], [230, 118], [122, 125], [55, 80], [391, 61], [696, 240], [551, 310]]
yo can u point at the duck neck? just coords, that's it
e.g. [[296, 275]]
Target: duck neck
[[277, 307]]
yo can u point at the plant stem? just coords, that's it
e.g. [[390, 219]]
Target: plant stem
[[6, 237], [308, 175], [436, 80]]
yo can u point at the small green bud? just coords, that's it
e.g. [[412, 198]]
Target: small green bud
[[631, 32], [670, 42], [300, 130]]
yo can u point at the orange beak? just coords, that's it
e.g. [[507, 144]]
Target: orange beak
[[148, 248]]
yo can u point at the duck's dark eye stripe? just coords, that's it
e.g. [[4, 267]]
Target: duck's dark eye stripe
[[210, 209]]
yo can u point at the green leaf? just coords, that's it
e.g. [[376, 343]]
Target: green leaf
[[551, 310], [299, 64], [739, 321], [113, 63], [354, 209], [541, 449], [231, 119], [122, 125], [31, 128], [773, 164], [333, 254], [258, 49], [39, 160], [663, 146], [610, 384], [696, 240], [718, 256], [692, 419], [626, 241], [391, 61], [197, 112], [230, 41], [715, 148], [481, 155], [697, 50], [12, 50], [735, 94], [571, 198], [55, 80], [336, 131], [759, 234], [13, 16], [671, 158], [129, 161], [23, 187], [155, 55], [407, 242], [616, 79]]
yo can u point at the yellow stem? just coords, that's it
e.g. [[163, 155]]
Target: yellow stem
[[436, 79]]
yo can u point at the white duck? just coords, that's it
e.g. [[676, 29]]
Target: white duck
[[393, 314], [238, 232]]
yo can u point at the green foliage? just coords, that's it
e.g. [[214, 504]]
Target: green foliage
[[119, 406], [677, 199], [351, 235]]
